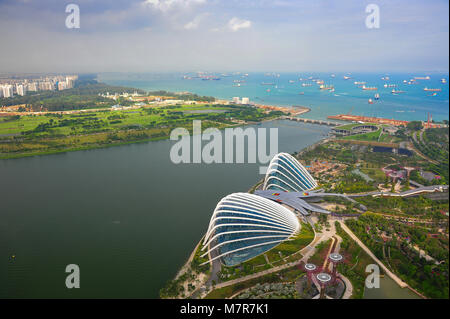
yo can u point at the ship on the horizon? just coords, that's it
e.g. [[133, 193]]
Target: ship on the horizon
[[422, 78], [359, 82], [397, 91], [326, 87], [432, 90], [369, 88]]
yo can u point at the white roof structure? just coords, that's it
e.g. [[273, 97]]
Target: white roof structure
[[245, 225], [285, 173]]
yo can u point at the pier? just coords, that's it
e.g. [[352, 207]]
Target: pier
[[305, 120]]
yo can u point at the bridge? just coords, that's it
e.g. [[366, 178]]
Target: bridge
[[305, 120]]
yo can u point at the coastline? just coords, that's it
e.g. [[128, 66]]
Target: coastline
[[6, 156]]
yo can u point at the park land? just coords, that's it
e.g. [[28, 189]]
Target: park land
[[405, 232]]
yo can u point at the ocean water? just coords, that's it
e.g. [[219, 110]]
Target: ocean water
[[413, 104]]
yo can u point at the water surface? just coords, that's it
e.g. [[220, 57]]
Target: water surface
[[126, 215]]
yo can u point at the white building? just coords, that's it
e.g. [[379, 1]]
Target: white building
[[245, 100], [69, 82], [21, 89], [62, 86], [32, 86], [8, 90], [236, 100]]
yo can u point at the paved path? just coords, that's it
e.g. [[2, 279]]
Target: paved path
[[394, 277], [411, 192], [348, 287]]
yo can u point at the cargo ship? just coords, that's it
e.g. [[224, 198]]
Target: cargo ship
[[368, 88], [421, 77], [432, 90], [326, 87]]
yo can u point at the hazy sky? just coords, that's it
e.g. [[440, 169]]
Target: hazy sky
[[223, 35]]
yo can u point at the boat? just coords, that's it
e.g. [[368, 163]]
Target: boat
[[319, 82], [397, 91], [326, 87], [346, 77], [443, 81], [306, 84], [432, 90], [368, 88], [359, 83], [370, 101], [421, 77], [377, 96]]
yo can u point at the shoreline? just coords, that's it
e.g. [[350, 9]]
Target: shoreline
[[84, 148]]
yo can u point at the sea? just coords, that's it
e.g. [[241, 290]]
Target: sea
[[285, 89]]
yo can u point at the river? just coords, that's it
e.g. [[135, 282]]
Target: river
[[127, 216], [389, 290]]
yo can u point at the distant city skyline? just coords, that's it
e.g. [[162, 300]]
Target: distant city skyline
[[232, 35]]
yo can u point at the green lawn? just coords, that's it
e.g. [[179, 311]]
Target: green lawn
[[372, 136]]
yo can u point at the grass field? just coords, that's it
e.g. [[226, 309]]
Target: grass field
[[301, 240], [372, 136], [29, 135]]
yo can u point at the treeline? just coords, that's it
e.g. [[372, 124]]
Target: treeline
[[436, 147], [183, 96]]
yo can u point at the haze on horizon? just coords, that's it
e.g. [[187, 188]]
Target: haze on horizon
[[224, 35]]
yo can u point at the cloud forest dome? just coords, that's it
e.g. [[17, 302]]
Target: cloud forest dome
[[285, 173], [245, 225]]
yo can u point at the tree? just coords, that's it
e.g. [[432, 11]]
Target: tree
[[414, 125]]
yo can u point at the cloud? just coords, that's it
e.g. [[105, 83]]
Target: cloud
[[235, 24], [194, 24], [166, 5]]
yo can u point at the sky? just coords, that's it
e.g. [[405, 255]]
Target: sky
[[224, 35]]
